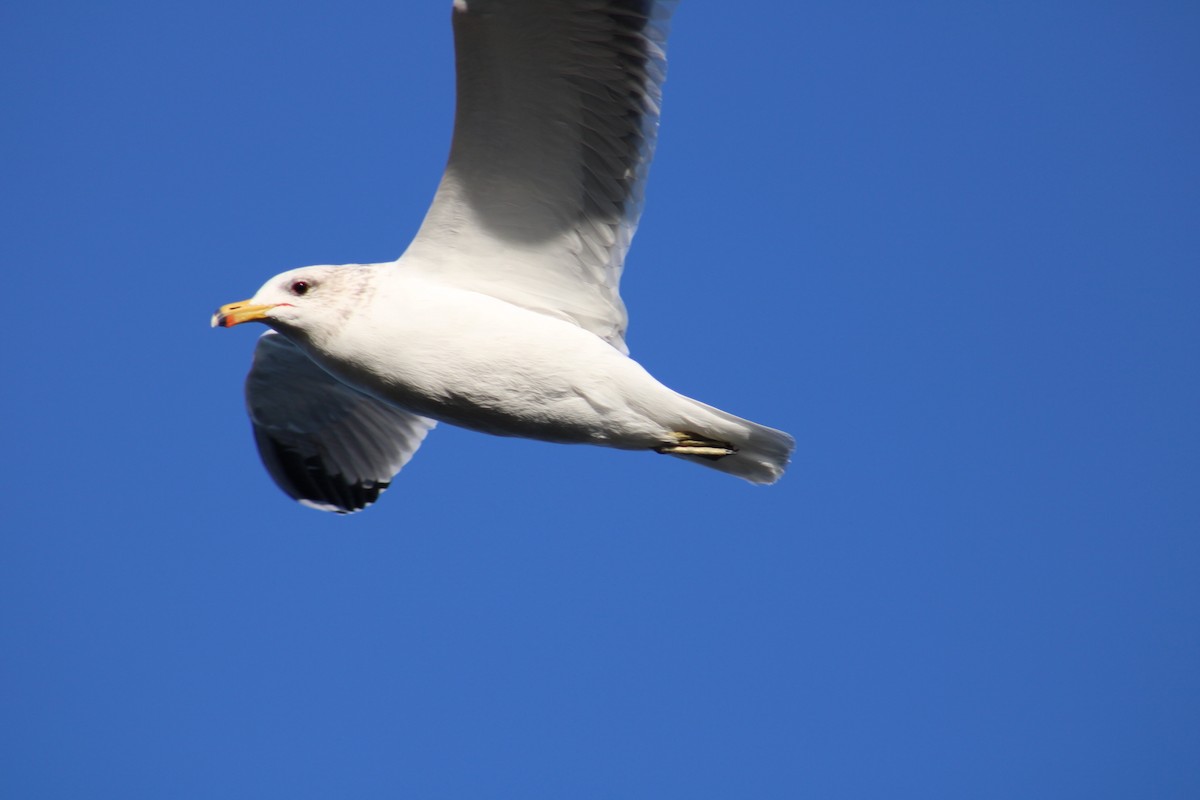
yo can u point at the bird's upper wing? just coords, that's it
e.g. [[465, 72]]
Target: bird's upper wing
[[554, 131], [327, 445]]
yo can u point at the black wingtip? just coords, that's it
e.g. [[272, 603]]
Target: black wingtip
[[304, 479]]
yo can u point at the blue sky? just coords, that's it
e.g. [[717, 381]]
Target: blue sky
[[952, 247]]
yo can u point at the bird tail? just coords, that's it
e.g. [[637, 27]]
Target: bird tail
[[760, 454]]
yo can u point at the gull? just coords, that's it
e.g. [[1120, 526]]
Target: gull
[[503, 315]]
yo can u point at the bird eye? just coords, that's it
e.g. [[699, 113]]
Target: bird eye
[[300, 287]]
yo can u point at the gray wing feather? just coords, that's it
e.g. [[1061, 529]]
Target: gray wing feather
[[325, 444], [554, 131]]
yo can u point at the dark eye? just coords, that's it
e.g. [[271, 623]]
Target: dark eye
[[300, 287]]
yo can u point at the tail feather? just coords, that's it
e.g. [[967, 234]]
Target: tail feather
[[762, 453]]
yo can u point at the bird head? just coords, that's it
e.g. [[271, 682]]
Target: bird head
[[307, 302]]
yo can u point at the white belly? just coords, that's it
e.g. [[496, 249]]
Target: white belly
[[478, 362]]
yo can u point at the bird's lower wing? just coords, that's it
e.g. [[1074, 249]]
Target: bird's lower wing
[[326, 444]]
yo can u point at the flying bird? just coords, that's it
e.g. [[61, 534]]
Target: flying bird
[[503, 315]]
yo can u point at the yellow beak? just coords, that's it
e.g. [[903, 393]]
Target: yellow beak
[[236, 313]]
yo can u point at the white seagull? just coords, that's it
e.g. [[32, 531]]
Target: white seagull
[[503, 315]]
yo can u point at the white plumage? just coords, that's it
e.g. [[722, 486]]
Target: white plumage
[[504, 314]]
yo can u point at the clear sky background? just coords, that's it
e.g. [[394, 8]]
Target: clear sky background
[[953, 247]]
